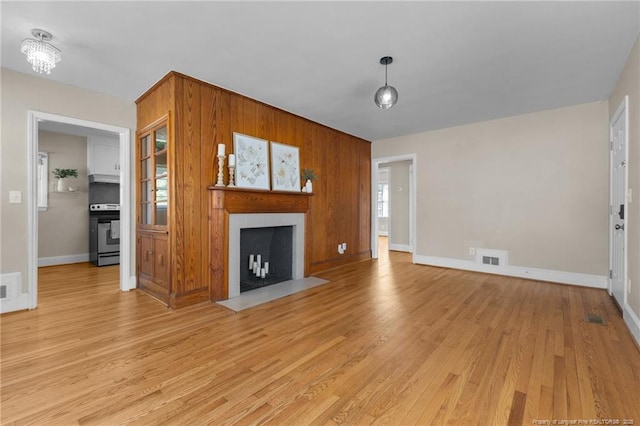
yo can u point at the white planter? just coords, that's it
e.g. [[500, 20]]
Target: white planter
[[62, 185], [308, 186]]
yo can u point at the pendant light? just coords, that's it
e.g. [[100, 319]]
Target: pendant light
[[386, 96], [42, 56]]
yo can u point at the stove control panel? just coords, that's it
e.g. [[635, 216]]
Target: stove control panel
[[104, 207]]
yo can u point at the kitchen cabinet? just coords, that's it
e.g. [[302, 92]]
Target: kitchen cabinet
[[103, 156]]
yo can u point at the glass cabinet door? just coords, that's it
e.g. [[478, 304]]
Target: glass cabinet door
[[153, 179]]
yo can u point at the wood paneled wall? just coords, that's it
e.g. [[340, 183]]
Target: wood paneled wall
[[205, 115]]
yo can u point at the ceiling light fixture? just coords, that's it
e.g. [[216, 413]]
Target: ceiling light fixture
[[386, 96], [42, 56]]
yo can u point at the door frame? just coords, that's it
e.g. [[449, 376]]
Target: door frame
[[124, 135], [375, 163], [623, 108]]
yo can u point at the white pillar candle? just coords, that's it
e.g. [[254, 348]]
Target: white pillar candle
[[250, 261], [255, 267], [262, 273], [257, 272], [259, 260], [232, 160], [220, 149], [266, 267]]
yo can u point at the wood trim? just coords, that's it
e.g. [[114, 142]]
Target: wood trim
[[153, 289], [180, 300], [224, 201]]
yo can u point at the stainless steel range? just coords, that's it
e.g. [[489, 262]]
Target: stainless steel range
[[104, 234]]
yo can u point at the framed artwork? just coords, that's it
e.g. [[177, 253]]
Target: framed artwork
[[285, 163], [252, 162]]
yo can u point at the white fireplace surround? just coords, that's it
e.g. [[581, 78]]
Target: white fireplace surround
[[263, 220]]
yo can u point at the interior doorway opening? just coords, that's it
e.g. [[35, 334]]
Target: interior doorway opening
[[53, 121], [393, 204]]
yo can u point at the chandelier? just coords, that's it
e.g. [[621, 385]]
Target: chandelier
[[42, 56]]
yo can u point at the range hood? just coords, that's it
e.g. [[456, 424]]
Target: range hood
[[104, 178]]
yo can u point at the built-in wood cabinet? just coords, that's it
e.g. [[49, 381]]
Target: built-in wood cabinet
[[153, 177], [152, 214], [153, 264], [199, 116]]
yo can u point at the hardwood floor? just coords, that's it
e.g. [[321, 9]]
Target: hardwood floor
[[384, 342]]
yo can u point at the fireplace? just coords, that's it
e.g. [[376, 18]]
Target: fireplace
[[268, 235], [269, 253], [232, 209]]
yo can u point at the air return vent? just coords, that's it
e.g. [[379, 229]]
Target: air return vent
[[3, 291], [492, 257], [489, 260]]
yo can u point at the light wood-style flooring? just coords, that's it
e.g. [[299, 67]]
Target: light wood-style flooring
[[385, 342]]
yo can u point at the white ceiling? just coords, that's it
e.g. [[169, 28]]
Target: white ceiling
[[454, 62]]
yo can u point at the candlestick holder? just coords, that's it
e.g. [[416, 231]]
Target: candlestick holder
[[231, 176], [220, 171]]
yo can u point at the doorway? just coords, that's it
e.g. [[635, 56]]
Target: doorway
[[618, 180], [396, 209], [34, 121]]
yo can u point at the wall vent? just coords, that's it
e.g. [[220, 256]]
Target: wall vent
[[492, 257], [9, 286], [11, 296], [490, 260]]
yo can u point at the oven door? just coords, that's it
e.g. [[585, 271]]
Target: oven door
[[108, 242]]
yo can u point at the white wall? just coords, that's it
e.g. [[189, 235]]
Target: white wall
[[20, 93], [63, 229], [535, 185]]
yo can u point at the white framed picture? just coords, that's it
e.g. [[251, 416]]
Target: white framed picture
[[252, 161], [285, 165]]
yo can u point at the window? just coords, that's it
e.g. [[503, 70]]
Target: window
[[43, 181], [383, 193]]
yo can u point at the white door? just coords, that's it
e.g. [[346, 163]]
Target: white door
[[618, 205]]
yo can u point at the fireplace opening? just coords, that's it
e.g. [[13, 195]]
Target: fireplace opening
[[266, 256]]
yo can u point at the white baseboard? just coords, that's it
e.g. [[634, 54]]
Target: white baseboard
[[133, 283], [574, 278], [632, 321], [63, 260], [400, 247], [15, 299]]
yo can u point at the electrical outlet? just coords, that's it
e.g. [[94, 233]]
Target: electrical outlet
[[472, 251], [344, 246]]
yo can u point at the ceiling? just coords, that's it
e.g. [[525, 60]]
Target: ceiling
[[454, 62], [72, 129]]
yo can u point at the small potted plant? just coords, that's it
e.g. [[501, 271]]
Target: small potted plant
[[308, 175], [61, 175]]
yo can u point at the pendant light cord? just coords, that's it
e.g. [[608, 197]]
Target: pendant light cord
[[385, 74]]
